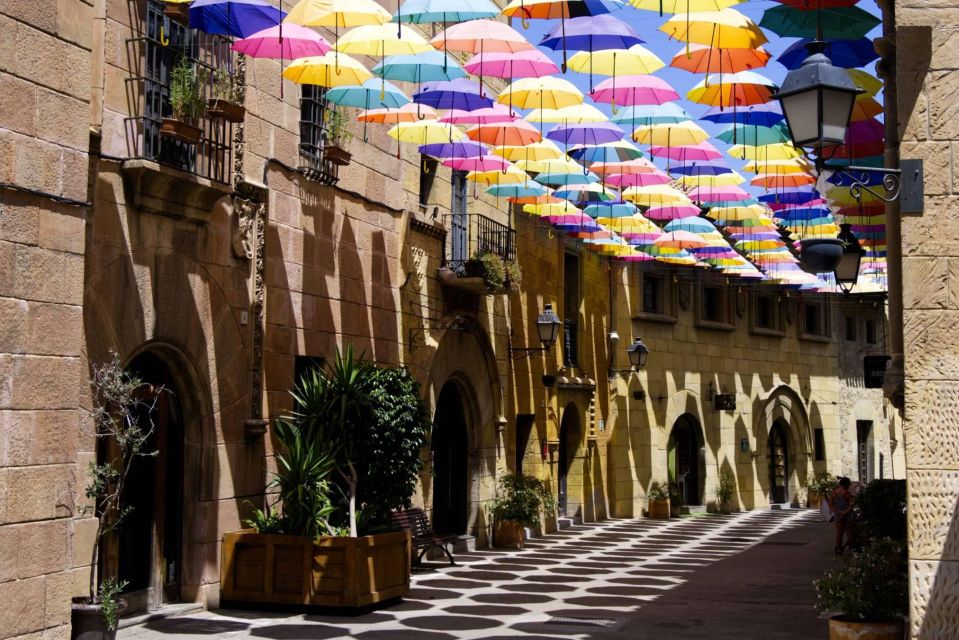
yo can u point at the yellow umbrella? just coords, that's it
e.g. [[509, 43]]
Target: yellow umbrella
[[719, 180], [870, 84], [637, 60], [543, 150], [796, 165], [748, 212], [841, 196], [778, 151], [723, 29], [654, 194], [573, 114], [329, 70], [548, 92], [670, 134], [510, 176], [337, 13], [559, 165], [682, 6], [426, 132], [552, 209], [379, 40]]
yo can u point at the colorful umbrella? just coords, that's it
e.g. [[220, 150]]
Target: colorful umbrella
[[692, 224], [510, 175], [543, 150], [478, 36], [632, 90], [672, 134], [610, 209], [530, 63], [580, 194], [653, 195], [617, 151], [529, 188], [718, 180], [429, 66], [559, 9], [699, 58], [763, 115], [754, 135], [287, 41], [379, 40], [590, 33], [446, 149], [839, 23], [372, 94], [236, 18], [790, 180], [329, 70], [572, 114], [700, 169], [723, 29], [586, 134], [849, 54], [548, 92], [427, 11], [486, 115], [780, 151], [460, 93], [556, 178], [740, 89], [505, 134], [687, 153], [477, 163], [637, 179], [795, 165], [639, 165], [680, 240], [868, 83], [637, 60], [682, 6], [674, 211], [425, 132], [407, 113], [650, 114], [337, 13]]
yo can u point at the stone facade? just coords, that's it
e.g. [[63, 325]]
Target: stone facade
[[926, 73]]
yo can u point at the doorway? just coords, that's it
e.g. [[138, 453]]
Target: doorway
[[568, 442], [148, 547], [687, 464], [778, 463], [864, 450], [450, 449]]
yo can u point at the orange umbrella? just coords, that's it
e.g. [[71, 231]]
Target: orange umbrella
[[499, 134], [702, 59], [865, 108], [790, 180], [410, 112]]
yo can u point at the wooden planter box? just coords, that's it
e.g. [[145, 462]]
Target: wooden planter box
[[180, 130], [226, 110], [337, 155], [842, 629], [509, 534], [178, 12], [658, 509], [327, 572]]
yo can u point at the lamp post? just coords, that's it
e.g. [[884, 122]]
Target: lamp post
[[547, 328], [638, 352], [847, 270]]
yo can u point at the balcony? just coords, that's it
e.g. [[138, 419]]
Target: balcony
[[478, 253]]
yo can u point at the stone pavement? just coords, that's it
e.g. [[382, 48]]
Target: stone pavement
[[746, 576]]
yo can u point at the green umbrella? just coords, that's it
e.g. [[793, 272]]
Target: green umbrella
[[754, 134], [839, 23]]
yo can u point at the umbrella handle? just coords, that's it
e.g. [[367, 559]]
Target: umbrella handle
[[524, 18], [164, 39]]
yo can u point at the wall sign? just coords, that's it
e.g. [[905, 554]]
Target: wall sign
[[874, 371]]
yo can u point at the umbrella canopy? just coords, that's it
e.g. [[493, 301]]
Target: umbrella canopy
[[717, 180], [585, 193], [486, 115], [762, 115], [337, 13], [617, 151], [637, 166], [640, 114], [838, 23], [754, 135], [723, 29], [686, 153], [559, 9], [680, 240], [634, 89], [542, 150], [459, 149], [691, 224], [477, 163], [795, 165], [740, 89], [428, 66], [460, 93], [780, 151], [672, 211], [591, 33], [329, 70], [653, 195], [699, 58], [296, 42], [610, 209], [511, 175], [637, 179], [868, 83], [572, 114], [790, 180], [426, 132], [673, 134], [236, 18], [530, 63], [529, 188], [700, 169], [505, 134], [636, 60], [409, 112], [372, 94], [718, 194], [586, 134], [548, 92], [379, 40], [682, 6], [426, 11], [849, 54], [478, 36], [565, 178]]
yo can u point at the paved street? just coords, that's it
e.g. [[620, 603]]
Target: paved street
[[746, 576]]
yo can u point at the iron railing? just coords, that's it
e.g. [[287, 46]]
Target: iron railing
[[315, 136], [471, 235], [154, 53]]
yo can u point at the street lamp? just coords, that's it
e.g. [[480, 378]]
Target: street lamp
[[547, 328], [638, 352], [847, 270]]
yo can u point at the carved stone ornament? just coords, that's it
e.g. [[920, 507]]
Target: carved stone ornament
[[418, 260], [685, 295], [244, 217]]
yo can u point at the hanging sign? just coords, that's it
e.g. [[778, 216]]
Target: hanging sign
[[874, 371]]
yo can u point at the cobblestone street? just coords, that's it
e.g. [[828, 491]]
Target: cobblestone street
[[746, 576]]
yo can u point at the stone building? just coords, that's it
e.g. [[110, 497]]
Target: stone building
[[224, 269]]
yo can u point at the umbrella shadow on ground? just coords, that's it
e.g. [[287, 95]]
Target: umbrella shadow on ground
[[196, 626]]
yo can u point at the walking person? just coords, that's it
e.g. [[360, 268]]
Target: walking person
[[841, 501]]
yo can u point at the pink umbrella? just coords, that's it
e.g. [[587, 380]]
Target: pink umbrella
[[636, 257], [680, 240], [638, 179], [639, 165], [634, 89], [636, 237], [717, 194], [701, 151], [531, 63], [487, 115], [672, 211], [478, 36], [478, 163], [283, 41]]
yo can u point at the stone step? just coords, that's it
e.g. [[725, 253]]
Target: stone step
[[564, 523]]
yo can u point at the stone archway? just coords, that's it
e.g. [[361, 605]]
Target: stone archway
[[569, 465], [449, 449], [783, 429], [686, 454]]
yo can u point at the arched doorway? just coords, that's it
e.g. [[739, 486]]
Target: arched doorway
[[778, 463], [568, 443], [450, 449], [687, 459], [149, 545]]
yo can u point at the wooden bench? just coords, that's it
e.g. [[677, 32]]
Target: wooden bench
[[418, 524]]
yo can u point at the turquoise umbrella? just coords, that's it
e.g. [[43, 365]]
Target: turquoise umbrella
[[646, 114], [424, 11], [528, 189], [375, 93], [693, 225], [562, 178], [838, 23], [429, 66], [754, 135], [612, 209]]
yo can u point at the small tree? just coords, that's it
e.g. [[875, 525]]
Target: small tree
[[121, 418], [727, 486]]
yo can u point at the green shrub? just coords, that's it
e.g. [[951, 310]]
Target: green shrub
[[493, 270], [514, 275], [823, 484], [727, 486], [870, 585], [657, 492], [520, 498], [185, 99], [881, 510]]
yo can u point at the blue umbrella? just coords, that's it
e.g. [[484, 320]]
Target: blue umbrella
[[593, 133], [528, 189], [453, 94], [577, 177], [754, 135], [788, 197], [693, 169], [849, 54], [591, 33], [429, 66], [646, 114], [802, 213], [581, 197], [692, 224], [424, 11], [605, 153], [612, 209], [454, 149], [764, 115], [236, 18], [372, 94]]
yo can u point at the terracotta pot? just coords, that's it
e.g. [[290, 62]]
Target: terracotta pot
[[844, 629], [509, 534], [337, 155], [226, 110], [87, 621], [182, 131], [658, 509], [814, 500], [178, 12]]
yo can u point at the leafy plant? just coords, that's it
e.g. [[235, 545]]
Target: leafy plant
[[185, 96], [520, 498], [514, 275], [304, 467], [109, 599], [337, 126], [675, 495], [727, 486], [226, 87], [492, 268], [121, 416], [266, 520], [823, 484], [870, 585], [657, 492], [881, 510]]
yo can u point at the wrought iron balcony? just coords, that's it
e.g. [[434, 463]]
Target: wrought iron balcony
[[472, 235]]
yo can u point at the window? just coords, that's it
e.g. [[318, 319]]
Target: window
[[313, 107], [653, 286], [767, 313], [428, 166], [819, 444], [571, 303], [459, 231], [851, 328], [814, 320], [164, 44], [714, 307], [871, 332]]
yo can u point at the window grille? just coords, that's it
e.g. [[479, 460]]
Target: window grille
[[315, 111]]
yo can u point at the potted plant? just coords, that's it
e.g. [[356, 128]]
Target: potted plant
[[514, 275], [492, 269], [348, 456], [120, 417], [227, 100], [186, 104], [725, 490], [517, 505], [821, 486], [869, 593], [337, 135], [178, 11], [658, 499], [675, 500]]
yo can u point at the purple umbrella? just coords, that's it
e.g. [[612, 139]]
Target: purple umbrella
[[237, 18], [590, 33], [592, 133], [454, 149], [462, 94]]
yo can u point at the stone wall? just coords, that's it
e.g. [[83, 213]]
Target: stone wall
[[44, 96], [927, 75]]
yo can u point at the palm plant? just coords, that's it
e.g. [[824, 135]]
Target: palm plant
[[303, 482]]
